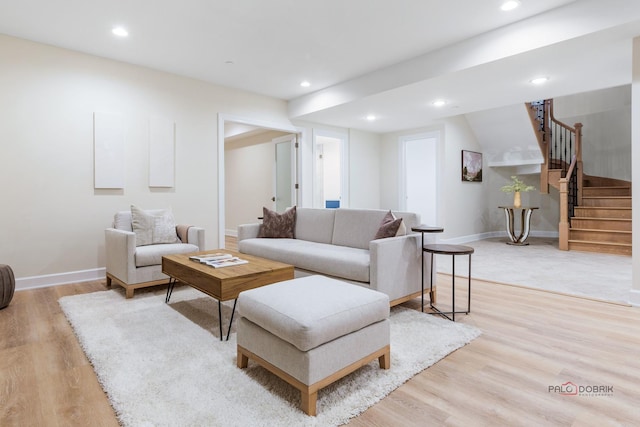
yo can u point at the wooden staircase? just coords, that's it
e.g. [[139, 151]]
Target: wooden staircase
[[595, 212], [602, 223]]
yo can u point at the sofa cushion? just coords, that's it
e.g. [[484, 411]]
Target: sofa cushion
[[356, 227], [339, 261], [278, 226], [152, 228], [313, 310], [389, 227], [152, 254], [315, 225]]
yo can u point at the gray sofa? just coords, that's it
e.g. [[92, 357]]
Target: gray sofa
[[338, 243]]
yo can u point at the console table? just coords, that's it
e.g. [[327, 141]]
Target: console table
[[453, 250], [423, 228], [525, 223]]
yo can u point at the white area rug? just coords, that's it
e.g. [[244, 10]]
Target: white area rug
[[164, 365]]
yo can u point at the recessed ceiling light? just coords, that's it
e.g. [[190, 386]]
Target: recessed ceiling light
[[539, 80], [120, 31], [371, 117], [509, 5], [305, 83], [439, 103]]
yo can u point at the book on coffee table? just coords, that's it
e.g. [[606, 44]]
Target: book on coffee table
[[210, 257], [228, 262]]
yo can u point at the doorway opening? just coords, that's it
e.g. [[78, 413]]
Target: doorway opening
[[249, 177], [331, 169]]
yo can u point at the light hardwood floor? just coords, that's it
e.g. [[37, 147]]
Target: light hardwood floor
[[530, 340]]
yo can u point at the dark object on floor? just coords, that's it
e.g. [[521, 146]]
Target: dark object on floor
[[7, 285]]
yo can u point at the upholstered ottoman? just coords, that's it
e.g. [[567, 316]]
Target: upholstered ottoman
[[313, 331]]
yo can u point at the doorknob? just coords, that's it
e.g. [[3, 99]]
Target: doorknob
[[273, 199]]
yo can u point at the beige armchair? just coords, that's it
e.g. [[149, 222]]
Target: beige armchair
[[138, 266]]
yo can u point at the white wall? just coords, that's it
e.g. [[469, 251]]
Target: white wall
[[606, 134], [53, 220], [364, 170]]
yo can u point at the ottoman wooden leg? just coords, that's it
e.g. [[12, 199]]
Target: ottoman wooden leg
[[242, 360], [309, 401], [385, 360]]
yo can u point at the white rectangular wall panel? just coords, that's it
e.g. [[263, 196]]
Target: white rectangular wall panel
[[161, 153], [108, 138]]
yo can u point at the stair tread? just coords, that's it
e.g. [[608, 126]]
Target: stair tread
[[597, 230], [590, 218], [611, 186], [596, 242], [603, 207], [606, 197]]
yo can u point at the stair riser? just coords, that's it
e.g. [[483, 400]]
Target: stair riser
[[607, 202], [602, 213], [600, 236], [601, 224], [605, 191], [604, 249]]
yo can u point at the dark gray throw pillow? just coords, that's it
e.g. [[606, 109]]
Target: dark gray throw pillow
[[278, 226], [388, 227]]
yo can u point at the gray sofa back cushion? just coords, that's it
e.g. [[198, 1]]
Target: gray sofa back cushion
[[356, 227], [315, 225]]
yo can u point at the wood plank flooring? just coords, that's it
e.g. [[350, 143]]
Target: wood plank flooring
[[531, 340]]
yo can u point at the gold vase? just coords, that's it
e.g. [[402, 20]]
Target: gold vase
[[517, 202]]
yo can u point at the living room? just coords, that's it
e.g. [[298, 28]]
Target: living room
[[50, 96]]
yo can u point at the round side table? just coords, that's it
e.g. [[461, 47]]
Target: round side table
[[453, 250]]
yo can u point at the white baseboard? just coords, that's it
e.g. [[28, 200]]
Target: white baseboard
[[232, 233], [634, 297], [60, 279]]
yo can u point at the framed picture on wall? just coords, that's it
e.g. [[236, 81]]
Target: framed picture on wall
[[471, 166]]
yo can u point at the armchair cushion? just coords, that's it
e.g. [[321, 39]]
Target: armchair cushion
[[152, 254], [153, 228]]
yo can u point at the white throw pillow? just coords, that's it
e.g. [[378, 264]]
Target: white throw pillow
[[154, 228]]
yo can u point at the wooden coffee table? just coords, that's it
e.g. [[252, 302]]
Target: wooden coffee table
[[225, 283]]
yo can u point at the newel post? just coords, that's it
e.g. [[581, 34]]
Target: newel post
[[563, 227]]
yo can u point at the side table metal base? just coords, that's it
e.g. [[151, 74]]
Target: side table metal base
[[452, 250]]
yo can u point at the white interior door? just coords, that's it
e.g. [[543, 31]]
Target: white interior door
[[285, 194], [419, 183]]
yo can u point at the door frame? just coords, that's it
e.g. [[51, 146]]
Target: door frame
[[222, 118]]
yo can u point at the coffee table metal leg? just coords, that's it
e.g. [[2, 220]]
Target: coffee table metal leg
[[231, 321], [172, 283]]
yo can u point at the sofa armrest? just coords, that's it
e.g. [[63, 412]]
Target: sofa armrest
[[120, 248], [395, 266], [195, 236], [248, 231]]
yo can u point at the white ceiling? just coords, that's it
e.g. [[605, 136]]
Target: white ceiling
[[391, 59]]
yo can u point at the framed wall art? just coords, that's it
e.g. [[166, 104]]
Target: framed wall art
[[471, 166]]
